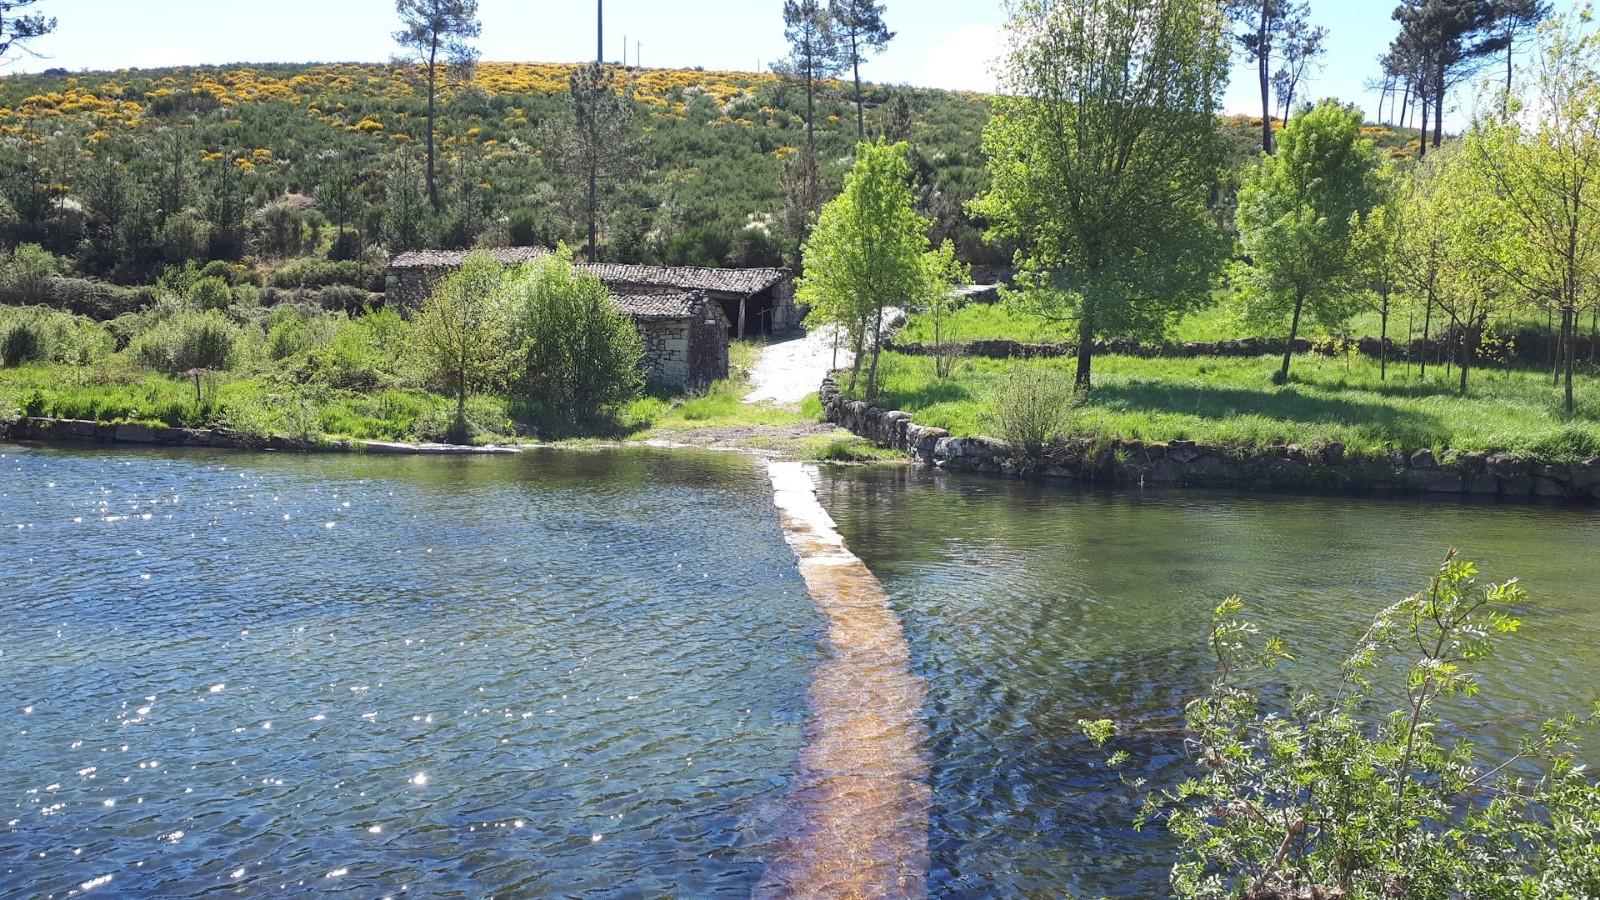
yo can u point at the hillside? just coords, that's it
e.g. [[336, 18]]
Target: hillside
[[97, 166]]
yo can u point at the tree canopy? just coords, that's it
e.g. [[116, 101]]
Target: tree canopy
[[1102, 152]]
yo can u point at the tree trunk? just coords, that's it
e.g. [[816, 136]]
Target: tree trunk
[[877, 348], [857, 340], [1569, 317], [811, 115], [861, 114], [1083, 380], [1469, 346], [1422, 138], [1383, 340], [1263, 70], [433, 58], [1438, 108], [1294, 332], [1427, 324], [742, 301]]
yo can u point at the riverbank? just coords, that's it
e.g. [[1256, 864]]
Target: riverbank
[[1328, 466]]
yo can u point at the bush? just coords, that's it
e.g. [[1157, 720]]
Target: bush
[[21, 342], [321, 273], [188, 340], [25, 278], [1032, 410], [38, 334], [184, 237], [342, 298], [210, 292], [580, 355], [1337, 797]]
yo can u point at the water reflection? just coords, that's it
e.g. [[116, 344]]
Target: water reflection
[[1029, 608], [576, 673]]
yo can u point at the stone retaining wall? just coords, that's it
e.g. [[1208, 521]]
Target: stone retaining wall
[[1530, 346], [1186, 463]]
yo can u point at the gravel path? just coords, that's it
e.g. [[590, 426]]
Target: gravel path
[[791, 370]]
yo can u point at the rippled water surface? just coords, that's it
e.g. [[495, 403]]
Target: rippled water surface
[[1030, 608], [573, 674]]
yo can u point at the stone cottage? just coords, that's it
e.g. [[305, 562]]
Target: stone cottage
[[685, 329], [754, 301], [685, 337]]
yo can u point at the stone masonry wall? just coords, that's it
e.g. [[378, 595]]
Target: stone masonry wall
[[666, 351], [1177, 463]]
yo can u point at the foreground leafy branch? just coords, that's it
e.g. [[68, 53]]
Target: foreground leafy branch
[[1328, 799]]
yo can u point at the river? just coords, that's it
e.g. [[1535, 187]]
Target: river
[[587, 672]]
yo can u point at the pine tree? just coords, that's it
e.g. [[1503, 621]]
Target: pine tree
[[435, 32], [861, 29]]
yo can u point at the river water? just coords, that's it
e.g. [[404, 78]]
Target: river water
[[587, 673], [1028, 608], [573, 673]]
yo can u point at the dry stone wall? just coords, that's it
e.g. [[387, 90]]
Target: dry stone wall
[[1325, 468]]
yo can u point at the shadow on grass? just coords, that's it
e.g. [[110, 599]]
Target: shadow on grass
[[1414, 427], [925, 395]]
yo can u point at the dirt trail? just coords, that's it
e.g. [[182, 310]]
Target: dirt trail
[[791, 370]]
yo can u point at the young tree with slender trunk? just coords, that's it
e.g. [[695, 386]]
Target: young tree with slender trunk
[[1425, 243], [463, 333], [597, 146], [1546, 176], [813, 36], [435, 33], [861, 30], [18, 26], [1299, 212], [1102, 151], [870, 251], [1378, 248]]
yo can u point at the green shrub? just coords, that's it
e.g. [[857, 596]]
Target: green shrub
[[1032, 409], [580, 355], [183, 238], [26, 276], [22, 341], [321, 273], [188, 340], [1336, 796], [210, 292]]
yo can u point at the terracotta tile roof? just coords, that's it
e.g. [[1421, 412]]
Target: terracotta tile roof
[[449, 259], [730, 281], [662, 306]]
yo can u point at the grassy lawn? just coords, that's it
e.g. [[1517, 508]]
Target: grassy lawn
[[1003, 321], [1232, 402]]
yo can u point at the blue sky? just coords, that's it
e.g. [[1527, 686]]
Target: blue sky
[[940, 43]]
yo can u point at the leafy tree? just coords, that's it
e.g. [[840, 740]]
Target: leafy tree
[[861, 29], [1378, 245], [433, 31], [1298, 215], [597, 147], [18, 26], [580, 356], [463, 332], [1425, 259], [869, 251], [1102, 152], [1269, 25], [405, 214], [339, 196], [1546, 177], [1327, 794], [813, 36], [1443, 42]]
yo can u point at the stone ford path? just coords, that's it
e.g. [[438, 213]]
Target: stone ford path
[[791, 369], [857, 810]]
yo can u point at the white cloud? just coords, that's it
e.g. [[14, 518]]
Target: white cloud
[[965, 60]]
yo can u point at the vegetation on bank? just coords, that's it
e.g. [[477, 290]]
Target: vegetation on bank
[[300, 371], [1357, 784], [1232, 402]]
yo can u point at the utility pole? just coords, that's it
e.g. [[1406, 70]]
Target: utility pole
[[600, 32]]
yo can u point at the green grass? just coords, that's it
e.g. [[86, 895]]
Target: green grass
[[1219, 322], [1233, 402]]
